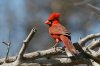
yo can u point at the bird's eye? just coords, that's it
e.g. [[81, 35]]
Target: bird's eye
[[51, 20]]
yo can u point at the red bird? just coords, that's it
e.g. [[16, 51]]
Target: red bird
[[60, 33]]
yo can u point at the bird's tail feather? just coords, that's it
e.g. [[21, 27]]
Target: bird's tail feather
[[68, 44]]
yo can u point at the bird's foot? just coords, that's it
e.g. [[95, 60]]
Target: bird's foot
[[54, 46]]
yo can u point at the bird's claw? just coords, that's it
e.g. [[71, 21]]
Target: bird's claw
[[54, 46]]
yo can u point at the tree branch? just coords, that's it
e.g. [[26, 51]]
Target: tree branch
[[37, 54], [19, 59], [94, 44], [34, 57], [88, 38]]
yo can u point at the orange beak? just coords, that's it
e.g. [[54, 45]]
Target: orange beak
[[47, 22]]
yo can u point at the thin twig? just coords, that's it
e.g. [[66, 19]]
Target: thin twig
[[8, 48]]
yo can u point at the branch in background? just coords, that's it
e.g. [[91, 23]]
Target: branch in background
[[94, 44], [86, 2], [82, 2], [84, 40], [8, 48], [94, 7]]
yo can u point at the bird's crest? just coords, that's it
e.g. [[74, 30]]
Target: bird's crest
[[54, 16]]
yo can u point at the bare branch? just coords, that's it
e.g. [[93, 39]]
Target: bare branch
[[93, 63], [55, 61], [8, 48], [44, 53], [98, 54], [19, 59], [94, 44], [25, 43], [87, 38], [37, 54], [23, 48], [61, 61]]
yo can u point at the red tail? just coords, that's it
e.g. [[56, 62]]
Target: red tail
[[68, 44]]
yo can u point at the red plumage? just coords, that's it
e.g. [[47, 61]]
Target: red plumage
[[60, 33], [54, 16]]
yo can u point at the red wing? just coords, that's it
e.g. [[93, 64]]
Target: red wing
[[58, 29]]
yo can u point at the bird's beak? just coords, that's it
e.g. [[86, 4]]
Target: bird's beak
[[47, 22]]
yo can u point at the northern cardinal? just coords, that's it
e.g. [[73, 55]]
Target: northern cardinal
[[60, 33]]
